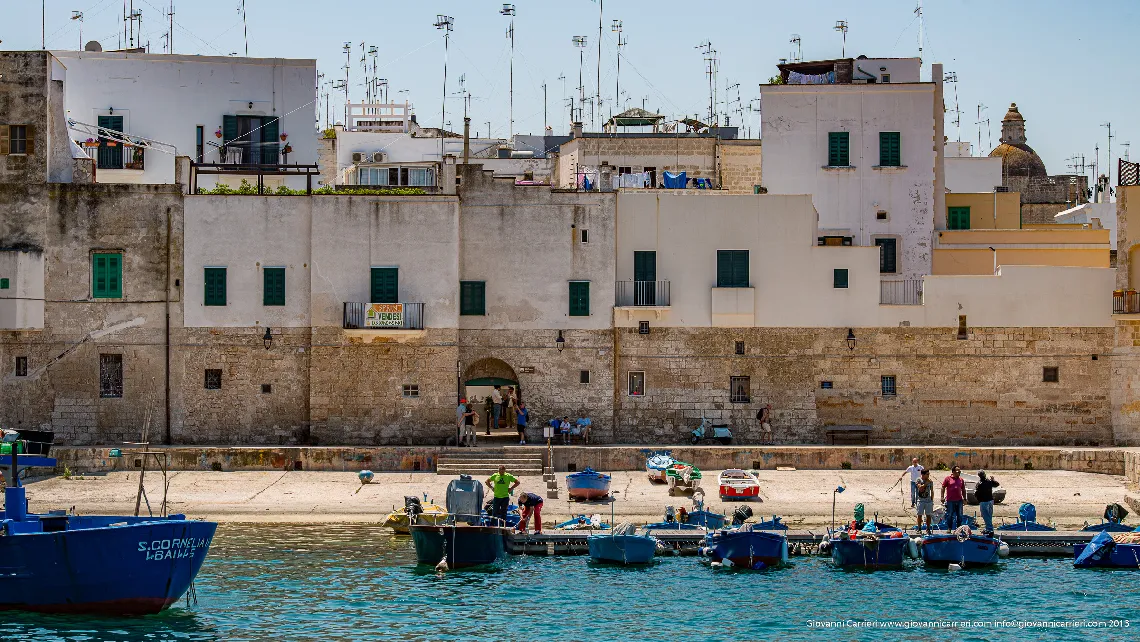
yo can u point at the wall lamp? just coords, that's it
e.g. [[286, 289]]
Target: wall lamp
[[560, 342], [267, 339], [850, 339]]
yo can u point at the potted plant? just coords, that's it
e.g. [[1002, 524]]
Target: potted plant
[[112, 143], [218, 133], [288, 149], [284, 136], [90, 142]]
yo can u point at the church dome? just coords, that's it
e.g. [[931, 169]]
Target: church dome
[[1017, 158]]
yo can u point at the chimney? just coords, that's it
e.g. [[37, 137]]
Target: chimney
[[466, 139], [576, 130]]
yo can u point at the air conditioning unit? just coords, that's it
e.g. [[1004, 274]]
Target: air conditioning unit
[[378, 157], [358, 157]]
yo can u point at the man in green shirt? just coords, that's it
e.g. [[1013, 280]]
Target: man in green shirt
[[502, 484]]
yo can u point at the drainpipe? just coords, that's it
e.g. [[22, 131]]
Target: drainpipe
[[466, 139], [166, 436]]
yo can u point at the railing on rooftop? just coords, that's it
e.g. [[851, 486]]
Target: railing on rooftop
[[900, 292], [1128, 173], [383, 316], [1125, 302], [642, 294]]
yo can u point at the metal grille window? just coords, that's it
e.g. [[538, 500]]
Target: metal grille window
[[18, 139], [888, 383], [888, 257], [838, 149], [411, 391], [213, 379], [111, 375], [1050, 374], [739, 347], [21, 366], [636, 384], [740, 389]]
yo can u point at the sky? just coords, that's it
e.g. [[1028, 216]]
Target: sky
[[1066, 64]]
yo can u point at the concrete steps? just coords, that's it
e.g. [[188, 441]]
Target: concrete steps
[[483, 462]]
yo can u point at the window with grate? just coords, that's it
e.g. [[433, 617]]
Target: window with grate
[[411, 391], [213, 379], [732, 268], [890, 149], [584, 376], [739, 389], [473, 298], [643, 327], [838, 149], [273, 287], [636, 384], [111, 376], [107, 276], [1050, 374], [21, 366], [888, 385], [215, 286], [888, 255]]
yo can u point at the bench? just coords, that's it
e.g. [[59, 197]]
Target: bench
[[849, 435]]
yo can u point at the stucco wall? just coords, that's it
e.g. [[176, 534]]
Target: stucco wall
[[982, 207], [972, 174]]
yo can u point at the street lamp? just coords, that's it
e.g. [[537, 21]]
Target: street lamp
[[560, 342], [267, 339], [850, 340], [838, 489]]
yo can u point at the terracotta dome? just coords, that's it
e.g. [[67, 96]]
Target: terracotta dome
[[1019, 160]]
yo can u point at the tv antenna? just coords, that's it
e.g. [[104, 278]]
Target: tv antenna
[[580, 43], [601, 7], [918, 11], [245, 31], [1126, 144], [798, 42], [347, 66], [709, 53], [78, 15], [979, 122], [129, 19], [446, 24], [509, 10], [1109, 157], [616, 27], [170, 38], [952, 77], [841, 26]]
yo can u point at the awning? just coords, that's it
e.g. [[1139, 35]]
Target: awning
[[490, 381]]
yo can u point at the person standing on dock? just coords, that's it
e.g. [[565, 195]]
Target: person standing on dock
[[502, 484], [925, 504], [530, 503], [470, 417], [984, 493], [520, 422], [953, 495], [915, 469], [496, 409]]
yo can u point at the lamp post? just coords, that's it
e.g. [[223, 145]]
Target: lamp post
[[560, 342], [267, 340], [838, 489], [850, 339]]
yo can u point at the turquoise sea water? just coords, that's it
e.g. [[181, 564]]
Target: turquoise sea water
[[283, 582]]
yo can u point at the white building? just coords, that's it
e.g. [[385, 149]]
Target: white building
[[191, 106], [864, 138], [969, 174]]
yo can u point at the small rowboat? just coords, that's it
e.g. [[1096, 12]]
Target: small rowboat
[[432, 515], [747, 547], [961, 547], [1112, 550], [868, 550], [735, 483], [588, 484], [682, 477], [656, 465]]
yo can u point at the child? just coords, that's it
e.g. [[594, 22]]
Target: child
[[564, 428]]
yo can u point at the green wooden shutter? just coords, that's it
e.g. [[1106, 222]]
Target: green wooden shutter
[[107, 276], [229, 128], [385, 285], [579, 298], [273, 290], [887, 255], [890, 154], [215, 286], [472, 298], [958, 218], [740, 268], [110, 157], [732, 268], [838, 149], [645, 266], [269, 145], [723, 268], [840, 278]]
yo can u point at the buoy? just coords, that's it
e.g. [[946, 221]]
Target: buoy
[[365, 476], [954, 567], [913, 547], [442, 566], [716, 564], [1003, 550]]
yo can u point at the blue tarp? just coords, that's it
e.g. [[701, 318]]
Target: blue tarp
[[675, 180], [703, 183], [1100, 546], [1027, 512]]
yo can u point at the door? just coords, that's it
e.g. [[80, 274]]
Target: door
[[645, 278], [110, 152], [385, 285]]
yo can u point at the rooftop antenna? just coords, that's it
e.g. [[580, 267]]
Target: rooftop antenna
[[799, 46], [509, 10], [1109, 157], [979, 122], [347, 65], [580, 43], [373, 83], [129, 18], [616, 27], [1126, 144], [601, 7], [952, 77], [446, 23], [918, 10], [78, 15], [170, 15], [245, 33], [709, 52], [841, 26]]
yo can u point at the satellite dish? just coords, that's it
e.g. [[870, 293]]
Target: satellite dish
[[93, 45]]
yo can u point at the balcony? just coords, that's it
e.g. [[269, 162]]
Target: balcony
[[383, 316], [1125, 302], [900, 292], [642, 294]]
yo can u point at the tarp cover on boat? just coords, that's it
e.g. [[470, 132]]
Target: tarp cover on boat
[[1100, 546], [465, 497], [1027, 512]]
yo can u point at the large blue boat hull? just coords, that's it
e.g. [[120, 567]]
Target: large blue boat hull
[[460, 546], [1121, 556], [881, 553], [943, 550], [588, 485], [622, 549], [748, 548], [137, 568]]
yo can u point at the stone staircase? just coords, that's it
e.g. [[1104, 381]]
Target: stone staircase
[[481, 463]]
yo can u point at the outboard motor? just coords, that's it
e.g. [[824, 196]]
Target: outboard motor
[[1115, 513], [670, 515], [741, 515], [413, 508]]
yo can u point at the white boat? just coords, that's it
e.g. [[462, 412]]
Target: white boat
[[735, 483], [656, 465]]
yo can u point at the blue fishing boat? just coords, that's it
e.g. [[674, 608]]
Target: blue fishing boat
[[105, 564], [774, 524], [588, 484], [1026, 521], [1113, 521], [583, 523], [965, 550], [868, 549], [656, 465], [1106, 551], [458, 545], [622, 546], [707, 518], [747, 547]]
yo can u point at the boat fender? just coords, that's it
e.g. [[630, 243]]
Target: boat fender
[[1003, 550], [912, 548], [727, 563], [716, 564], [954, 567], [442, 566]]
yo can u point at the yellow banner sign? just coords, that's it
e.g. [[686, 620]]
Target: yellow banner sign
[[384, 315]]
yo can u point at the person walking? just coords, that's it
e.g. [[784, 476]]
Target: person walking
[[924, 488], [502, 485], [470, 420], [460, 420], [765, 417], [512, 403], [953, 496], [984, 493], [914, 469], [530, 503], [521, 421], [487, 405], [496, 408]]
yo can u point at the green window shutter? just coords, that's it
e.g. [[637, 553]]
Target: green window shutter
[[723, 268], [732, 268], [385, 285], [274, 287], [579, 298], [270, 130], [215, 286], [958, 218], [740, 268], [838, 149], [229, 128], [110, 157], [887, 255], [840, 278], [3, 284], [645, 266], [890, 154], [107, 276], [472, 298]]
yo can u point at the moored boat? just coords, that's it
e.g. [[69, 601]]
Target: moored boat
[[583, 523], [1109, 550], [683, 477], [961, 547], [747, 547], [459, 545], [398, 520], [1026, 521], [588, 484], [622, 546], [735, 483], [656, 465], [868, 549]]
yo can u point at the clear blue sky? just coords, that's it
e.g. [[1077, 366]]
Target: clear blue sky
[[1068, 65]]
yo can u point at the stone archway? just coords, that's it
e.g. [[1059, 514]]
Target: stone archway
[[479, 380]]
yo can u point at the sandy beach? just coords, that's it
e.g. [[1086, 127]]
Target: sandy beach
[[801, 498]]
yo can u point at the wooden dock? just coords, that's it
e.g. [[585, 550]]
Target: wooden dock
[[1036, 543]]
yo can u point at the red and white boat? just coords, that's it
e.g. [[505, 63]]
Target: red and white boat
[[735, 483]]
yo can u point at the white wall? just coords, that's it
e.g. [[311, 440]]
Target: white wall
[[402, 148], [164, 97], [972, 174], [1106, 212], [22, 304], [900, 69], [797, 120]]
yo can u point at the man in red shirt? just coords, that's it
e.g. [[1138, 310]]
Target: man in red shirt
[[953, 496]]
